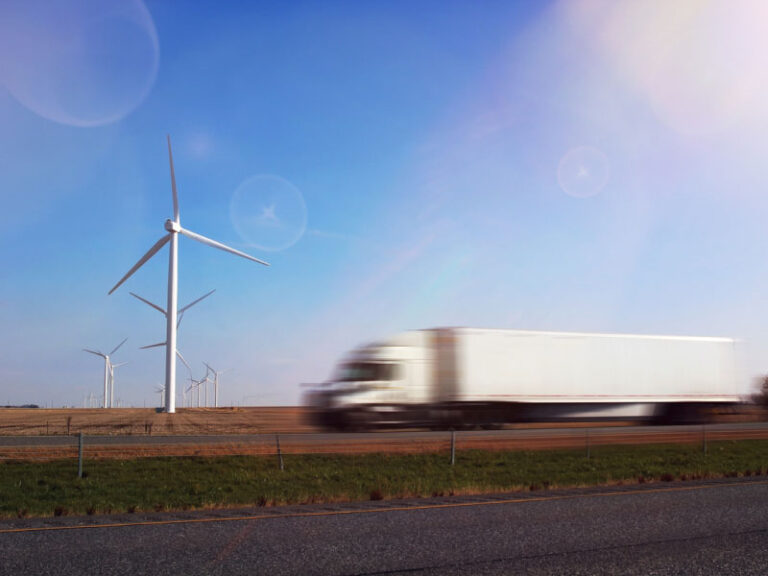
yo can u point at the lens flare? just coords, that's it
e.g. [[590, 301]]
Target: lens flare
[[268, 212], [700, 64], [78, 62], [583, 172]]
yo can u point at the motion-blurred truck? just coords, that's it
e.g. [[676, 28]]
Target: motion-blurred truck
[[466, 377]]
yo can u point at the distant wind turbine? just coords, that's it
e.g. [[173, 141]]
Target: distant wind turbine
[[178, 323], [190, 401], [180, 312], [107, 368], [161, 391], [197, 384], [112, 382], [216, 375], [173, 229]]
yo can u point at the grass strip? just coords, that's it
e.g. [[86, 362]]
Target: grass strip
[[168, 483]]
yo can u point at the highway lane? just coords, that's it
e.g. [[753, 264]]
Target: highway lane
[[718, 527], [396, 441]]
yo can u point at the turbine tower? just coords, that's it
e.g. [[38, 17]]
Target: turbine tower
[[190, 401], [173, 229], [216, 375], [195, 384], [107, 368], [178, 323], [160, 390], [112, 382]]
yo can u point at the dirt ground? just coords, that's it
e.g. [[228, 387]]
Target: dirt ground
[[220, 421], [142, 421]]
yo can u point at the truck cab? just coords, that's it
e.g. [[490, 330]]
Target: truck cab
[[374, 386]]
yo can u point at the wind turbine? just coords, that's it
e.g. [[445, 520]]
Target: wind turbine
[[161, 391], [112, 382], [173, 229], [107, 369], [216, 375], [178, 355], [196, 384], [180, 311], [178, 323], [187, 391], [205, 381]]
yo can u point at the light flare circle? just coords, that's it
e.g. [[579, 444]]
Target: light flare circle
[[268, 212], [583, 172], [78, 62]]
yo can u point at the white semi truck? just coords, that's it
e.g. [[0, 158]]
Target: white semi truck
[[465, 377]]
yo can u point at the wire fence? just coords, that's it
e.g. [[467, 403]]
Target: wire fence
[[281, 446]]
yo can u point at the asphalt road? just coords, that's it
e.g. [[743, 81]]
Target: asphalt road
[[718, 527]]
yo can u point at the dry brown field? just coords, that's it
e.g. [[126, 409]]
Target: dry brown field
[[143, 421], [222, 421], [267, 421]]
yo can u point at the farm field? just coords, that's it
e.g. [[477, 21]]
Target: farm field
[[221, 421], [148, 421], [39, 434]]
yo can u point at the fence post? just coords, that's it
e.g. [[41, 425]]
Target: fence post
[[279, 453], [704, 439], [80, 455], [453, 447], [588, 445]]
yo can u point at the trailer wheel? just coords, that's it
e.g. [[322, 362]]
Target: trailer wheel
[[684, 413]]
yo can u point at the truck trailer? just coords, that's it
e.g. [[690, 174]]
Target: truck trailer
[[468, 377]]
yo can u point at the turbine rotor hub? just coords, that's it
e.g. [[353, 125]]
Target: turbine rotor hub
[[172, 226]]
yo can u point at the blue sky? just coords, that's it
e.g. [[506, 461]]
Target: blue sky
[[583, 165]]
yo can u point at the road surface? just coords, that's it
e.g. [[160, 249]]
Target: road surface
[[716, 527]]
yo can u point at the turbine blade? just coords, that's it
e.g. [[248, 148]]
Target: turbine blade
[[178, 322], [118, 365], [95, 352], [118, 346], [173, 184], [151, 252], [148, 303], [188, 306], [185, 362], [152, 346], [220, 246]]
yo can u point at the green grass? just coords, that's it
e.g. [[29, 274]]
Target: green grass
[[52, 488]]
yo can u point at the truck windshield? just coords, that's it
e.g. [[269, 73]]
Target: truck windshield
[[366, 372]]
